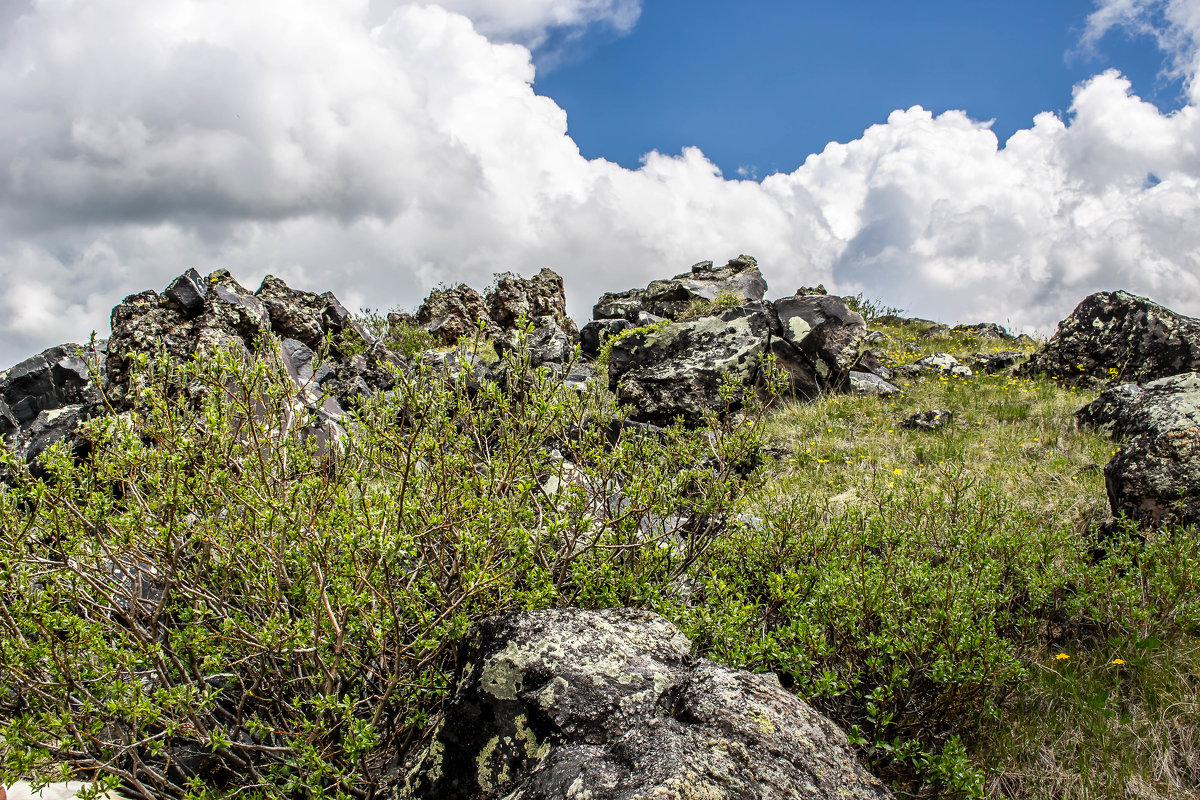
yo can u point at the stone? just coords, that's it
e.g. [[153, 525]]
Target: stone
[[869, 384], [547, 343], [612, 704], [187, 293], [1154, 478], [944, 363], [294, 314], [514, 298], [740, 280], [983, 330], [594, 334], [1117, 337], [1002, 361], [677, 371], [935, 331], [453, 313], [826, 330], [928, 420]]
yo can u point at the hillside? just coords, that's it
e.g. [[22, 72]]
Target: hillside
[[709, 545]]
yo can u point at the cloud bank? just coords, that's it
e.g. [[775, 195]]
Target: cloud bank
[[377, 148]]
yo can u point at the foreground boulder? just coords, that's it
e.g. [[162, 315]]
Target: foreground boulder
[[739, 280], [825, 329], [612, 704], [1118, 337], [1154, 479]]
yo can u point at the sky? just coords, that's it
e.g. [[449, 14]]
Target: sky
[[962, 161]]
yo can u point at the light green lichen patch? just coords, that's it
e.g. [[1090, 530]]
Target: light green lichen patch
[[534, 750], [798, 328], [489, 776]]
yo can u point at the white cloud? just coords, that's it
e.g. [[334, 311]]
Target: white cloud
[[376, 149]]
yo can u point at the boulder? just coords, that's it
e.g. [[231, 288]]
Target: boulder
[[1117, 337], [594, 334], [452, 313], [1002, 361], [826, 330], [984, 330], [611, 705], [45, 397], [870, 384], [543, 295], [945, 364], [1154, 478], [677, 370], [308, 317], [740, 280], [547, 342]]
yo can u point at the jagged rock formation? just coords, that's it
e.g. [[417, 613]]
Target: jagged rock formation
[[450, 314], [453, 313], [1116, 337], [1153, 479], [612, 704], [740, 280]]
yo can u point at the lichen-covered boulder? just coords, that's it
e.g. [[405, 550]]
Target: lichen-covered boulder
[[1117, 337], [1154, 478], [452, 313], [612, 705], [661, 373], [548, 344], [826, 330], [543, 295], [945, 364], [310, 318], [594, 334], [740, 280], [983, 330]]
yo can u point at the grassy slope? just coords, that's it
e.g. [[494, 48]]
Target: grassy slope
[[942, 593]]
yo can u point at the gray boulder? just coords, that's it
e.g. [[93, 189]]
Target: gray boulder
[[945, 364], [594, 334], [1154, 479], [984, 330], [1002, 361], [547, 342], [612, 705], [867, 383], [1117, 337], [669, 299], [309, 318], [677, 371]]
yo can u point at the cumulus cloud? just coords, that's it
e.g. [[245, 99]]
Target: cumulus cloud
[[377, 148]]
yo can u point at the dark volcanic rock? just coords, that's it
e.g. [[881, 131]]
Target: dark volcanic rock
[[187, 293], [543, 295], [984, 330], [548, 343], [740, 278], [1154, 478], [593, 335], [826, 330], [450, 314], [993, 363], [677, 371], [1118, 337], [611, 705], [945, 364]]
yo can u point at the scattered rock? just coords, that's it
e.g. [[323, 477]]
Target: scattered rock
[[1002, 361], [869, 384], [1117, 337], [928, 420], [945, 364], [937, 330], [1154, 478], [983, 330], [549, 344], [612, 704]]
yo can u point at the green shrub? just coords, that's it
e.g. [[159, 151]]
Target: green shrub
[[210, 596], [405, 338]]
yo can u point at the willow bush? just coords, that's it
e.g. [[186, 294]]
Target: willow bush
[[211, 603]]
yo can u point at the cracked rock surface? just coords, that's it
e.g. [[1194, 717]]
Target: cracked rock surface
[[601, 705]]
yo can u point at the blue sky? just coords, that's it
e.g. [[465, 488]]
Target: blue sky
[[377, 148], [761, 85]]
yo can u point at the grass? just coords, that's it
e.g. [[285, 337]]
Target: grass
[[919, 586]]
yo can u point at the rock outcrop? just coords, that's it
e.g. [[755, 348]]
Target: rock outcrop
[[1153, 478], [452, 313], [740, 280], [1118, 337], [609, 705], [543, 295]]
